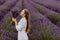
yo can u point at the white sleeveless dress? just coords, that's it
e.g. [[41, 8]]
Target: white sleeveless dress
[[21, 27]]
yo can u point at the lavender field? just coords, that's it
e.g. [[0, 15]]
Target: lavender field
[[44, 14]]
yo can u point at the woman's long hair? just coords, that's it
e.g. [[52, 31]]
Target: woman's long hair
[[27, 15]]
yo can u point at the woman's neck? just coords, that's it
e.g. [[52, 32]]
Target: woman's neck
[[23, 16]]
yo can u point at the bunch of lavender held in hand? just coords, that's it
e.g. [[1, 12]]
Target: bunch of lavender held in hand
[[14, 15]]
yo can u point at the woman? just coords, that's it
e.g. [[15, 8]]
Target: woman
[[23, 26]]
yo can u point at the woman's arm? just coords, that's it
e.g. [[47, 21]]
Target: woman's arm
[[21, 25], [16, 24]]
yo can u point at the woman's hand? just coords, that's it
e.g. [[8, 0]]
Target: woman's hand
[[13, 19]]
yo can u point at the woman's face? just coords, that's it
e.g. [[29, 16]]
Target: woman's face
[[22, 13]]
